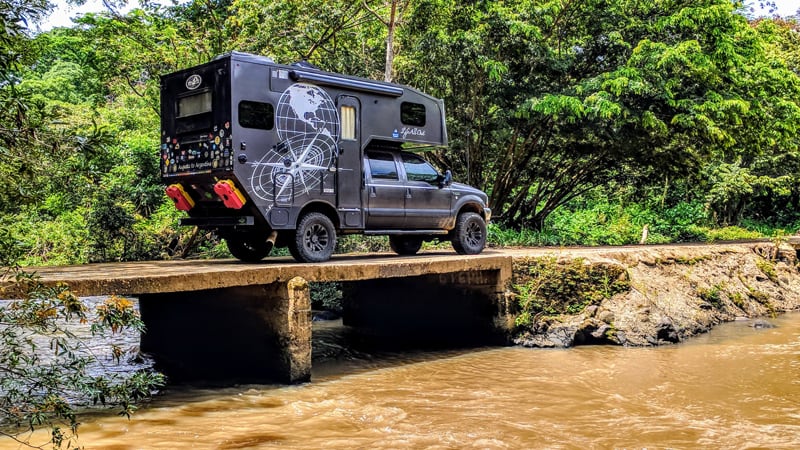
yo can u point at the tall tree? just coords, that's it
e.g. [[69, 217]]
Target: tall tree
[[760, 175], [340, 36], [391, 21], [548, 99]]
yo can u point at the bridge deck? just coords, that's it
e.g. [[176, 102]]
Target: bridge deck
[[153, 277]]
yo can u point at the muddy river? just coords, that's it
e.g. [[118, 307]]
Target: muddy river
[[736, 387]]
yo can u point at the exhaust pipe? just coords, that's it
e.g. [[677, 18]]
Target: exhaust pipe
[[271, 239]]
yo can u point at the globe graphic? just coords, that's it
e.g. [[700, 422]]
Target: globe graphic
[[307, 124], [305, 109]]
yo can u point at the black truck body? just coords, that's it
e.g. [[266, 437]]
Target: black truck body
[[269, 154]]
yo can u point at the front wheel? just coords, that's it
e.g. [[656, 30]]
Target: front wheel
[[314, 240], [469, 236], [405, 245]]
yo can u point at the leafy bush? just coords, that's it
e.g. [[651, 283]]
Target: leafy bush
[[679, 223], [356, 243], [597, 221], [731, 233], [551, 287], [43, 240], [46, 367], [326, 296]]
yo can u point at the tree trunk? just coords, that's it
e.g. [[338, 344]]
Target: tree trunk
[[390, 43]]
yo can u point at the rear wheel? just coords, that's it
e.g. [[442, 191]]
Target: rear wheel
[[469, 236], [248, 247], [315, 239], [405, 245]]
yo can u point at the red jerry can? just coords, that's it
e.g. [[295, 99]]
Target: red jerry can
[[183, 201], [230, 196]]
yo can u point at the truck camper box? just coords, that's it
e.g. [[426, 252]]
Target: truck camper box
[[289, 155]]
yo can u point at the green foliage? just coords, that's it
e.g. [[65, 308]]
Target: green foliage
[[362, 244], [499, 236], [341, 36], [767, 268], [591, 90], [712, 295], [551, 287], [326, 296], [738, 299], [728, 234], [759, 296], [46, 368], [115, 314], [584, 121], [597, 218], [57, 237]]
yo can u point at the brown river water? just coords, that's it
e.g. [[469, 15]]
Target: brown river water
[[736, 387]]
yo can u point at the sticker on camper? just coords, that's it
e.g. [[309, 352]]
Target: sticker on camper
[[193, 82]]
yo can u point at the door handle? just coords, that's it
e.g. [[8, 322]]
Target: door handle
[[408, 193], [372, 191]]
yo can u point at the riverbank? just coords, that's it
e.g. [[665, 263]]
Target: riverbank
[[650, 295]]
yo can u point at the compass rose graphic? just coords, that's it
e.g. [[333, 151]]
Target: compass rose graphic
[[308, 129]]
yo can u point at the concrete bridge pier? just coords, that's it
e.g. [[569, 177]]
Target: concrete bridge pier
[[258, 333], [468, 307]]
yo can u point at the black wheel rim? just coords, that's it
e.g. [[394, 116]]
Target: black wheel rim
[[316, 238], [473, 235]]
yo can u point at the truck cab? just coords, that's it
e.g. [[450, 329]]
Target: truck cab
[[287, 155]]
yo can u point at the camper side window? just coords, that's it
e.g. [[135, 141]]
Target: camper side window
[[348, 116], [256, 115], [412, 114], [382, 166]]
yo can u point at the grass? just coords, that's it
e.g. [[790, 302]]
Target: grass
[[605, 223]]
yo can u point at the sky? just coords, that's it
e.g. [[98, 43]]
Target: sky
[[61, 17], [787, 7], [63, 14]]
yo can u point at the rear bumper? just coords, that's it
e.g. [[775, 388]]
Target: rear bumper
[[216, 222]]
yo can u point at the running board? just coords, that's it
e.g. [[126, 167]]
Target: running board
[[405, 232]]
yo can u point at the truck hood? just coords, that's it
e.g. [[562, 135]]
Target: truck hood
[[465, 189]]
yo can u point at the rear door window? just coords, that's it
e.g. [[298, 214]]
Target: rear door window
[[382, 166]]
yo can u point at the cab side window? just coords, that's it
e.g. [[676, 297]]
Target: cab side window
[[382, 166], [417, 169]]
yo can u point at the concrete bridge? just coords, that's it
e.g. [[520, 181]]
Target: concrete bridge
[[226, 320]]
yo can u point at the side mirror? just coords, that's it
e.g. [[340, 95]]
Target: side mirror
[[447, 179]]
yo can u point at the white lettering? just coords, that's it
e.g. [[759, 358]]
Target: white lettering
[[406, 131]]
